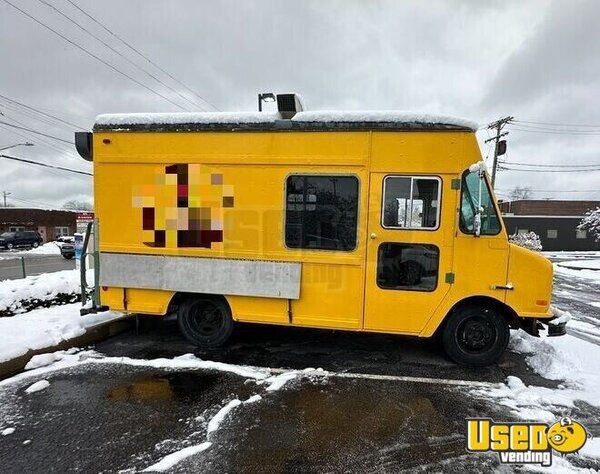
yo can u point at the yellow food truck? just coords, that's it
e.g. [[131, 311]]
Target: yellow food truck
[[363, 221]]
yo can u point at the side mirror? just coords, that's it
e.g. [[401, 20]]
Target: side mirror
[[480, 169]]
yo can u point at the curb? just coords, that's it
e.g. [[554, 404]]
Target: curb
[[91, 336]]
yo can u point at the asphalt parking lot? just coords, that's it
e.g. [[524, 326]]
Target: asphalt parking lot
[[384, 404]]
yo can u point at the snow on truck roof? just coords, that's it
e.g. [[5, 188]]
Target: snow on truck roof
[[311, 120]]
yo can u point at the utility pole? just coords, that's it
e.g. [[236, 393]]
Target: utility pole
[[4, 194], [498, 125]]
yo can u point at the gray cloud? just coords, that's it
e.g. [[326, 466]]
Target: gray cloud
[[535, 60]]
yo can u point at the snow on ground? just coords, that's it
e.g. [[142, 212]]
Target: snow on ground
[[50, 248], [278, 381], [581, 264], [43, 364], [41, 287], [567, 359], [571, 254], [47, 327], [584, 273], [38, 386], [215, 421], [172, 459]]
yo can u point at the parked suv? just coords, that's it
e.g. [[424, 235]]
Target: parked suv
[[25, 238]]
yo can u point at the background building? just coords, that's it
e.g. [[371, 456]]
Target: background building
[[554, 221], [49, 223]]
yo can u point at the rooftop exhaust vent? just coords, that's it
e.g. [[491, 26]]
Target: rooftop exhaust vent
[[288, 105]]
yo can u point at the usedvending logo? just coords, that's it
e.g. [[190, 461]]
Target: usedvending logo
[[525, 443]]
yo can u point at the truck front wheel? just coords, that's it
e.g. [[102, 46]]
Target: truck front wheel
[[205, 322], [475, 335]]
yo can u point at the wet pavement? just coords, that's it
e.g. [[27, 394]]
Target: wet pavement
[[395, 414], [110, 417], [11, 267]]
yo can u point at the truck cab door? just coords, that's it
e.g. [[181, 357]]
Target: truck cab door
[[409, 250]]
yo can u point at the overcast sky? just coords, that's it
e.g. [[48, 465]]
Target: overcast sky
[[538, 61]]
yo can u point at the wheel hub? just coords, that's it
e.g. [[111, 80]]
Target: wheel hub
[[206, 319], [476, 334]]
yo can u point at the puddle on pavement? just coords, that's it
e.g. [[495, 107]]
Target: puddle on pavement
[[169, 386], [347, 426]]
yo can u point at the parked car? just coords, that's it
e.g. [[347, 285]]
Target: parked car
[[25, 238], [66, 238], [67, 250]]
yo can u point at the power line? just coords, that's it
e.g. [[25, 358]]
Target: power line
[[140, 54], [557, 132], [39, 140], [83, 28], [506, 191], [36, 132], [66, 122], [94, 56], [26, 201], [549, 171], [557, 124], [552, 166], [22, 160], [558, 129]]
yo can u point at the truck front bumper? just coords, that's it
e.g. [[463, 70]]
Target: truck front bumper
[[556, 324]]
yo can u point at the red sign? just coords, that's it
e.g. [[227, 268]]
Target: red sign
[[85, 216]]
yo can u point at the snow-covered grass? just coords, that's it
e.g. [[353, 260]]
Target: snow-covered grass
[[50, 248], [43, 328], [15, 293]]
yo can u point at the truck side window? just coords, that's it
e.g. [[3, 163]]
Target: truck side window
[[411, 202], [469, 202], [321, 212], [407, 266]]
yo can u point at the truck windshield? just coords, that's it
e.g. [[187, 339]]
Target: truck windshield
[[490, 223]]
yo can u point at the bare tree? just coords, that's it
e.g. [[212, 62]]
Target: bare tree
[[520, 193], [78, 205]]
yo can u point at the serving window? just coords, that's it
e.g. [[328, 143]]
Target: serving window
[[411, 202], [321, 212]]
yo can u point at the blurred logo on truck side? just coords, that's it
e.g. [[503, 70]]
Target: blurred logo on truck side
[[183, 207]]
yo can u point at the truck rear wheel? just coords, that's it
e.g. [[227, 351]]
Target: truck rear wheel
[[205, 322], [475, 335]]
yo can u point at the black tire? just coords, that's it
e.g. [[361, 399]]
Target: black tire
[[35, 245], [68, 256], [9, 246], [475, 335], [205, 321]]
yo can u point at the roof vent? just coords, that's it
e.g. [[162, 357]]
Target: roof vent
[[288, 105]]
